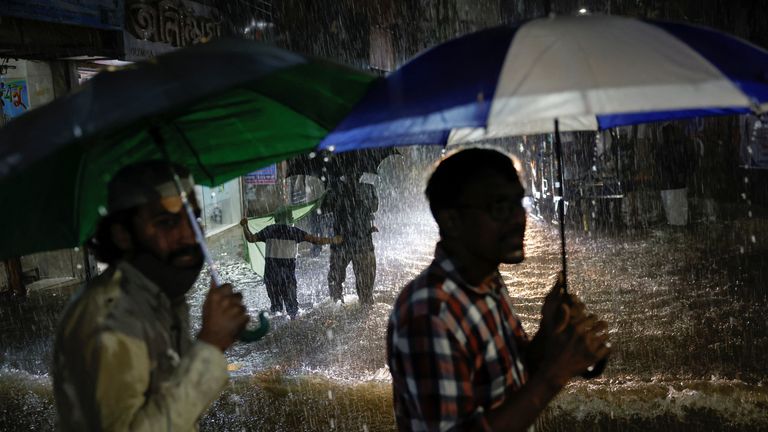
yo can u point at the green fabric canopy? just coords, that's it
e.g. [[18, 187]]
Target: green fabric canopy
[[243, 106]]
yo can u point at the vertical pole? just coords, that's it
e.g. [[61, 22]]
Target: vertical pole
[[598, 368], [248, 335], [561, 206]]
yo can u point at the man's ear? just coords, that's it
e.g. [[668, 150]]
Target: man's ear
[[449, 222], [121, 237]]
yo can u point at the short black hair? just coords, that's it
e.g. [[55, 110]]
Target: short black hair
[[452, 174], [101, 245]]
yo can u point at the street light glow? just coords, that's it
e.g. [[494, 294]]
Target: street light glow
[[583, 11]]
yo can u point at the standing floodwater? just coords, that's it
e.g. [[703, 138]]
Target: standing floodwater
[[685, 304]]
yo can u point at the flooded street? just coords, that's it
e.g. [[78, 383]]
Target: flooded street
[[159, 132], [689, 344], [685, 306]]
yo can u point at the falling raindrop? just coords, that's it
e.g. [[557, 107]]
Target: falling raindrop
[[102, 211], [77, 131]]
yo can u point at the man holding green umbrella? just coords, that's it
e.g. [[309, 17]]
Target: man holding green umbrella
[[123, 356]]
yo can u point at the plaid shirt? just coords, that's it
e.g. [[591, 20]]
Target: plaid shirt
[[452, 349]]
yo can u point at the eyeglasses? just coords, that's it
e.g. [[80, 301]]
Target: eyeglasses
[[499, 211]]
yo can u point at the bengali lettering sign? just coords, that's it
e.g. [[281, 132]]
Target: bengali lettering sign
[[178, 23]]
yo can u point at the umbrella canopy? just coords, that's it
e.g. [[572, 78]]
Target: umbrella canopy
[[590, 72], [222, 109], [330, 165]]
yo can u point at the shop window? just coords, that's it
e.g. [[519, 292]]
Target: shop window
[[220, 205]]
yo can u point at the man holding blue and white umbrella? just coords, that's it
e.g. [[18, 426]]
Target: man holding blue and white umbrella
[[459, 357]]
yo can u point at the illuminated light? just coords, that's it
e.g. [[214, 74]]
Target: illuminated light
[[583, 11]]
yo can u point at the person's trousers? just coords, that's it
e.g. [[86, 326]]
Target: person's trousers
[[364, 266], [280, 279]]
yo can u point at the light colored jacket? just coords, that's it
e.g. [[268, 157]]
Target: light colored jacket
[[124, 359]]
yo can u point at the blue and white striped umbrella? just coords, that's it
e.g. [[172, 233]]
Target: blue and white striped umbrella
[[589, 72]]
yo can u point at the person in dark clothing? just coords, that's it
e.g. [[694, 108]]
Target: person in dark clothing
[[280, 260], [353, 205]]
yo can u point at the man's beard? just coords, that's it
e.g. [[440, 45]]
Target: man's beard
[[173, 280]]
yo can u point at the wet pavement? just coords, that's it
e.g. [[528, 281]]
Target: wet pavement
[[685, 306]]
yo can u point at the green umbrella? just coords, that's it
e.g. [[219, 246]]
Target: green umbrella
[[222, 109]]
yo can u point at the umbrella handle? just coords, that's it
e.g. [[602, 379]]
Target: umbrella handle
[[597, 369]]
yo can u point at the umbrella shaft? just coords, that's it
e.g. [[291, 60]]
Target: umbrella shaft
[[200, 238], [561, 203]]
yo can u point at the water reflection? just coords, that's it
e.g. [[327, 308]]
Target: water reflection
[[685, 307]]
